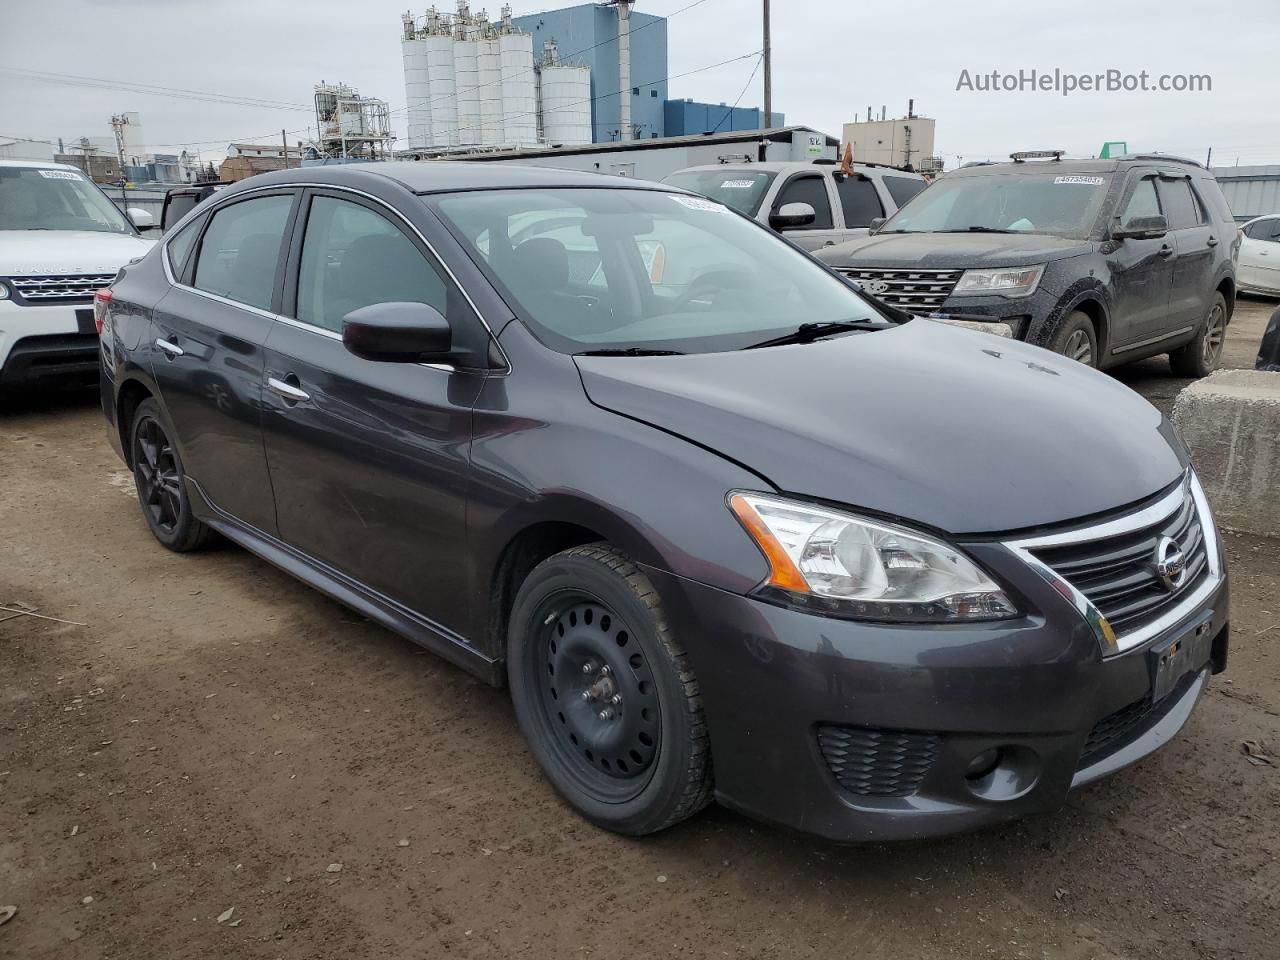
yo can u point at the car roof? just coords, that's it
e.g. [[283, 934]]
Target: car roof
[[1077, 165], [790, 166], [447, 176], [40, 165]]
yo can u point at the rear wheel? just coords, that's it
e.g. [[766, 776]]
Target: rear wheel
[[1077, 339], [604, 694], [1201, 356], [158, 477]]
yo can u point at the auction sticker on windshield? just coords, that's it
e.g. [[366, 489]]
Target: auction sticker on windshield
[[1091, 181], [737, 185], [59, 175], [698, 203]]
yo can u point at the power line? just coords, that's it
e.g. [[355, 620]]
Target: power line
[[728, 113], [149, 89]]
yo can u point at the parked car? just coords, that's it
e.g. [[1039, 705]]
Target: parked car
[[839, 207], [1104, 261], [741, 535], [61, 239], [1260, 255]]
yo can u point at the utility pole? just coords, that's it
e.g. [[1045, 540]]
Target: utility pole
[[117, 127], [284, 142], [768, 71], [1208, 158]]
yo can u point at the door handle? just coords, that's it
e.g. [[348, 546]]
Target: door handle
[[1212, 241], [170, 348], [288, 390], [1166, 251]]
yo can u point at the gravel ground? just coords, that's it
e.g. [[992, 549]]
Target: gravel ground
[[221, 762]]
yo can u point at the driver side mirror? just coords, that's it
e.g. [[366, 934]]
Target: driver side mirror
[[140, 218], [876, 224], [398, 332], [792, 216], [1142, 228]]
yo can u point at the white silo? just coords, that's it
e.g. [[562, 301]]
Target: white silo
[[443, 88], [519, 90], [565, 92], [417, 92], [467, 76], [489, 58]]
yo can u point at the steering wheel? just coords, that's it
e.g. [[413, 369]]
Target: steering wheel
[[706, 285]]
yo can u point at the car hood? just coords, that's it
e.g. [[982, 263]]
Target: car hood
[[28, 252], [963, 431], [951, 250]]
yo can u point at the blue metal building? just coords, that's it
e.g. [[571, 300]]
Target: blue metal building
[[685, 118], [587, 35]]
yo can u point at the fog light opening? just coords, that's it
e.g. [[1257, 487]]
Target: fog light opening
[[982, 764]]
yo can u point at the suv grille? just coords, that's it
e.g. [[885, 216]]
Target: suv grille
[[64, 288], [877, 763], [918, 291], [1118, 573]]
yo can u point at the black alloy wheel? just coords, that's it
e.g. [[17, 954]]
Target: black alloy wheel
[[158, 477]]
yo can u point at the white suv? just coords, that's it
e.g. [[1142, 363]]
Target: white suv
[[61, 239]]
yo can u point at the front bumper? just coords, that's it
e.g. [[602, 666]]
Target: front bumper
[[792, 701], [47, 344]]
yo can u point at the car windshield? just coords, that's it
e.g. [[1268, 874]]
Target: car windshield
[[1062, 205], [742, 189], [621, 269], [34, 198]]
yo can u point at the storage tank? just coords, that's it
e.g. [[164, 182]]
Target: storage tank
[[442, 83], [519, 90], [566, 104], [467, 76], [489, 59], [417, 94]]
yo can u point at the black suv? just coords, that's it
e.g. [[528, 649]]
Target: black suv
[[1104, 261]]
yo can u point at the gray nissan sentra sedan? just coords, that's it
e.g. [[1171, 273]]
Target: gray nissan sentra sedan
[[726, 528]]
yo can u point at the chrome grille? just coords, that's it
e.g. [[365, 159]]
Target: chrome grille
[[917, 291], [1110, 567], [62, 288]]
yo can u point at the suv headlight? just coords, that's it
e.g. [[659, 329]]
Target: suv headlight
[[1004, 282], [840, 564], [4, 291]]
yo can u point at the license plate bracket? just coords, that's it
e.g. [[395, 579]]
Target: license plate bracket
[[1176, 657], [84, 321]]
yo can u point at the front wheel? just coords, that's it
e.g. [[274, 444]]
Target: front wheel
[[604, 693], [1201, 356], [1077, 339]]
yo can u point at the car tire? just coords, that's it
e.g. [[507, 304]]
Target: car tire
[[161, 482], [1076, 338], [1201, 356], [604, 693]]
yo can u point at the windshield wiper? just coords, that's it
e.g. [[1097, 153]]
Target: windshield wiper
[[809, 332], [978, 230], [630, 352]]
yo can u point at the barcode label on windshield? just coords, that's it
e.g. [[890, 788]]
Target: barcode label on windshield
[[737, 185], [699, 203], [1089, 181], [59, 175]]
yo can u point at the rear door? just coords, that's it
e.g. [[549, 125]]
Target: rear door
[[1260, 255], [1141, 270], [207, 350], [816, 190], [1196, 241], [368, 460], [860, 203]]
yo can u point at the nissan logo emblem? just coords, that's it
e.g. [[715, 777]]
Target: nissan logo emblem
[[1171, 564]]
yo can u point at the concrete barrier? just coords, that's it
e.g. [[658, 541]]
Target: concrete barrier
[[1231, 423]]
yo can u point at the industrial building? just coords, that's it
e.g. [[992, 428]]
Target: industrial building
[[1250, 191], [349, 126], [902, 142], [591, 73]]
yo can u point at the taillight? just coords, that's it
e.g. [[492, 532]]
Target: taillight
[[101, 306]]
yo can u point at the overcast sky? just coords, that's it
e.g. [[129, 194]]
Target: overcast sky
[[831, 60]]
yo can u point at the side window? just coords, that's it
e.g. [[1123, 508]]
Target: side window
[[241, 248], [179, 249], [813, 191], [903, 189], [1177, 200], [859, 201], [1142, 202], [353, 257]]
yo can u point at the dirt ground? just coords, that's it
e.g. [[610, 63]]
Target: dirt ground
[[217, 736]]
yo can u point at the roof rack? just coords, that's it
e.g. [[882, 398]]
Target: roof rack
[[1160, 158]]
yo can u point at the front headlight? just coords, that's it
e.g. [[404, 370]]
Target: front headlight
[[4, 291], [850, 566], [1004, 282]]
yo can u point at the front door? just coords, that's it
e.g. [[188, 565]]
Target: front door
[[1196, 241], [207, 353], [1142, 271], [368, 460], [813, 189]]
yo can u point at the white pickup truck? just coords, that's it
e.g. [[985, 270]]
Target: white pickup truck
[[61, 239]]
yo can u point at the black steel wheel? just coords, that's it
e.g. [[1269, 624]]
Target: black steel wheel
[[158, 477], [1201, 356], [604, 695]]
